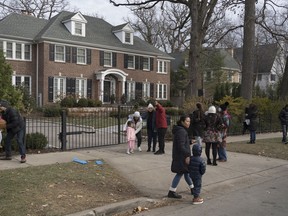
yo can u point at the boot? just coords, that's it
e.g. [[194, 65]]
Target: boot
[[173, 194], [209, 162]]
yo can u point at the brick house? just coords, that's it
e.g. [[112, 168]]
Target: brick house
[[83, 56]]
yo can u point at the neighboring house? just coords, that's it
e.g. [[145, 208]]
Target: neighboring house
[[269, 64], [230, 69], [82, 56]]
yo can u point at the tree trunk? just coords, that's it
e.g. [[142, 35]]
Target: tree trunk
[[248, 51], [283, 84]]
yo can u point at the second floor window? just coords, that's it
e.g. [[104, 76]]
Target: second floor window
[[108, 59], [81, 56], [162, 67], [146, 63], [18, 51], [59, 53], [9, 50], [131, 61]]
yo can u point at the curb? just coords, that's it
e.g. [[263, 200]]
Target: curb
[[119, 207]]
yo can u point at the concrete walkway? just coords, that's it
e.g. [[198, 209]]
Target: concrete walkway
[[151, 173]]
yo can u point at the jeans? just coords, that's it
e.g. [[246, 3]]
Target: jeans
[[199, 140], [178, 177], [197, 181], [20, 141], [222, 153], [152, 136], [252, 135], [161, 138], [284, 132]]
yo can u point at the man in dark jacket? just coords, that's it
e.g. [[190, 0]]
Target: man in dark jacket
[[283, 116], [197, 168], [15, 127]]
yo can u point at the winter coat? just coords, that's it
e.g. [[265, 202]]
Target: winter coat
[[14, 121], [252, 115], [161, 120], [197, 165], [197, 124], [213, 127], [131, 135], [181, 149], [150, 120], [283, 116], [137, 122]]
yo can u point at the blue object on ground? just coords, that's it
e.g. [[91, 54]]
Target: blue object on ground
[[79, 161], [99, 162]]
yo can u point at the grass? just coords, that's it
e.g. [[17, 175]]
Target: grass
[[265, 147], [61, 189]]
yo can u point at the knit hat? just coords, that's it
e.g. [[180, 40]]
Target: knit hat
[[150, 106], [212, 109], [136, 114]]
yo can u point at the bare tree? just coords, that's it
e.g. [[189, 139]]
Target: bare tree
[[38, 8]]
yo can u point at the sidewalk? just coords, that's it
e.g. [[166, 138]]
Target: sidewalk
[[151, 173]]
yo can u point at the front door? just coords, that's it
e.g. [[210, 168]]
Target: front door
[[107, 89]]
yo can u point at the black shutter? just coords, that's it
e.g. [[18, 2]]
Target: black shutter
[[138, 90], [152, 90], [137, 59], [50, 88], [114, 59], [101, 58], [71, 86], [68, 54], [125, 61], [74, 54], [51, 52], [89, 88], [126, 89], [88, 60], [151, 64], [141, 63]]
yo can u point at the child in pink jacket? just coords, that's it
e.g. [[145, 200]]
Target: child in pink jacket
[[131, 137]]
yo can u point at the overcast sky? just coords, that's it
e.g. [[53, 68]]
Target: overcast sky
[[104, 9]]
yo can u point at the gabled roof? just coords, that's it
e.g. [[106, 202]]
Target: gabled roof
[[98, 33], [264, 57]]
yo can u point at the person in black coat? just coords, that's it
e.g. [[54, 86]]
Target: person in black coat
[[181, 153], [151, 127], [197, 124], [15, 127], [252, 114], [197, 168], [283, 117]]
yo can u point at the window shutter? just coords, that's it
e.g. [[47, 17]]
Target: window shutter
[[125, 61], [50, 88], [141, 63], [70, 86], [114, 59], [151, 64], [88, 60], [51, 52], [89, 88], [138, 90], [137, 59], [68, 54], [152, 90], [101, 58], [126, 89], [74, 55]]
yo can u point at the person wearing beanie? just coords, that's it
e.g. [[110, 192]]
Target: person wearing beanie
[[150, 117], [137, 122], [212, 135], [15, 126]]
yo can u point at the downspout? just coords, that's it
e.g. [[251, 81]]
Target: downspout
[[37, 75]]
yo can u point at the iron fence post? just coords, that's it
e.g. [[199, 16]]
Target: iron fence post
[[118, 117], [63, 136]]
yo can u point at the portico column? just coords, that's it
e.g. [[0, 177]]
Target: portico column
[[101, 89]]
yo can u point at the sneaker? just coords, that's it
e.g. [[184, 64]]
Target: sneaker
[[139, 149], [23, 159], [128, 152], [197, 201], [173, 194], [132, 152], [148, 150]]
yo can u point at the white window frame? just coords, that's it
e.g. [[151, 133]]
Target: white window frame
[[161, 91], [81, 55], [22, 81], [16, 50], [162, 67], [107, 59], [59, 53], [131, 62], [27, 52], [9, 52], [127, 37], [78, 28], [131, 86], [81, 88], [59, 88], [146, 90], [146, 64]]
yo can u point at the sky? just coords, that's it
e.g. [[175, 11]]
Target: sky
[[104, 9]]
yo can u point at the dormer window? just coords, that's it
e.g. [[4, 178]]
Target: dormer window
[[76, 24], [124, 33]]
